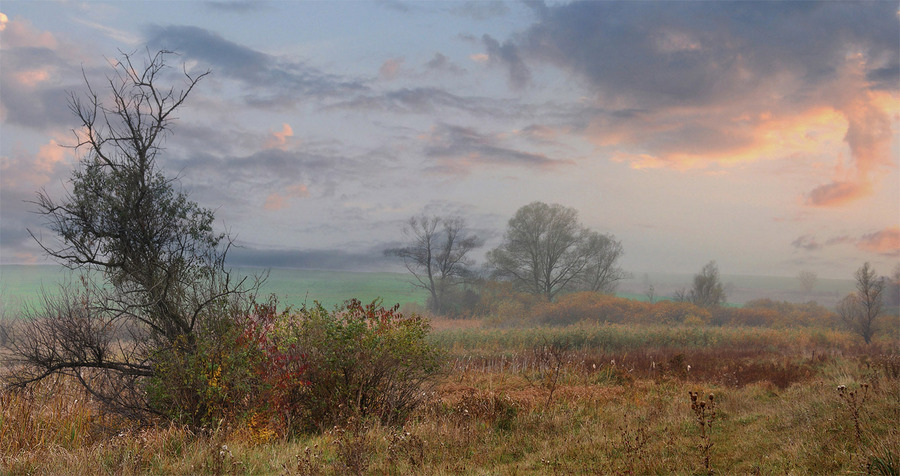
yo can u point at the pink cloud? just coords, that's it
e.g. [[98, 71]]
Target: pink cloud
[[391, 68], [18, 33], [280, 139], [34, 171], [274, 202], [869, 136], [837, 193], [50, 155], [726, 134], [31, 78], [884, 242], [277, 201]]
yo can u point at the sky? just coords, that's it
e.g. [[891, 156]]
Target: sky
[[761, 135]]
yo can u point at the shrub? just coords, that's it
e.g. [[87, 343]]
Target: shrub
[[206, 380], [289, 371], [247, 367], [674, 312], [362, 361], [502, 306], [588, 306]]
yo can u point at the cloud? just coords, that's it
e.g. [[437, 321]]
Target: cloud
[[270, 81], [690, 84], [22, 174], [869, 137], [480, 10], [236, 6], [540, 134], [421, 100], [279, 139], [838, 193], [36, 70], [20, 33], [29, 172], [884, 242], [325, 259], [272, 178], [507, 55], [279, 200], [806, 242], [461, 148], [390, 68], [440, 62], [123, 36], [685, 138]]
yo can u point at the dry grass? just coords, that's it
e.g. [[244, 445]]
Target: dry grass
[[778, 411], [440, 324]]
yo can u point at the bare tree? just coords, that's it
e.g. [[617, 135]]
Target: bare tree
[[650, 290], [808, 280], [860, 310], [546, 250], [708, 290], [153, 268], [437, 255]]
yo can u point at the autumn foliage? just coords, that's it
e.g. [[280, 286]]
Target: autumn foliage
[[283, 372], [504, 307]]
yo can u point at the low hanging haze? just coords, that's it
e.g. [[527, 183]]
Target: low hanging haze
[[762, 135]]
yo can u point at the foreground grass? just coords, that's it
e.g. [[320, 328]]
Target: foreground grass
[[512, 402]]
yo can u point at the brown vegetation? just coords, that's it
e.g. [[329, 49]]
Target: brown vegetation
[[506, 404]]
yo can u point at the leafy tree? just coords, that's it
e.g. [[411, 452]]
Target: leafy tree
[[708, 291], [807, 280], [860, 310], [153, 268], [546, 250], [601, 273], [437, 256]]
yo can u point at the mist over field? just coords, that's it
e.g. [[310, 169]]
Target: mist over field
[[22, 286]]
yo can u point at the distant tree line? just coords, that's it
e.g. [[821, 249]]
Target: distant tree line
[[545, 251]]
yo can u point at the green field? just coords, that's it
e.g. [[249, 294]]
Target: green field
[[21, 286]]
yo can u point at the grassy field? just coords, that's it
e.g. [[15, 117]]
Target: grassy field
[[583, 399], [589, 398], [21, 285]]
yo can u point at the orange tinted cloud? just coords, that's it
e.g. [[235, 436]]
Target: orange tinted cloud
[[279, 139], [49, 156], [695, 138], [21, 34], [885, 242], [391, 68], [869, 134], [838, 193], [277, 201], [31, 78], [34, 170]]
